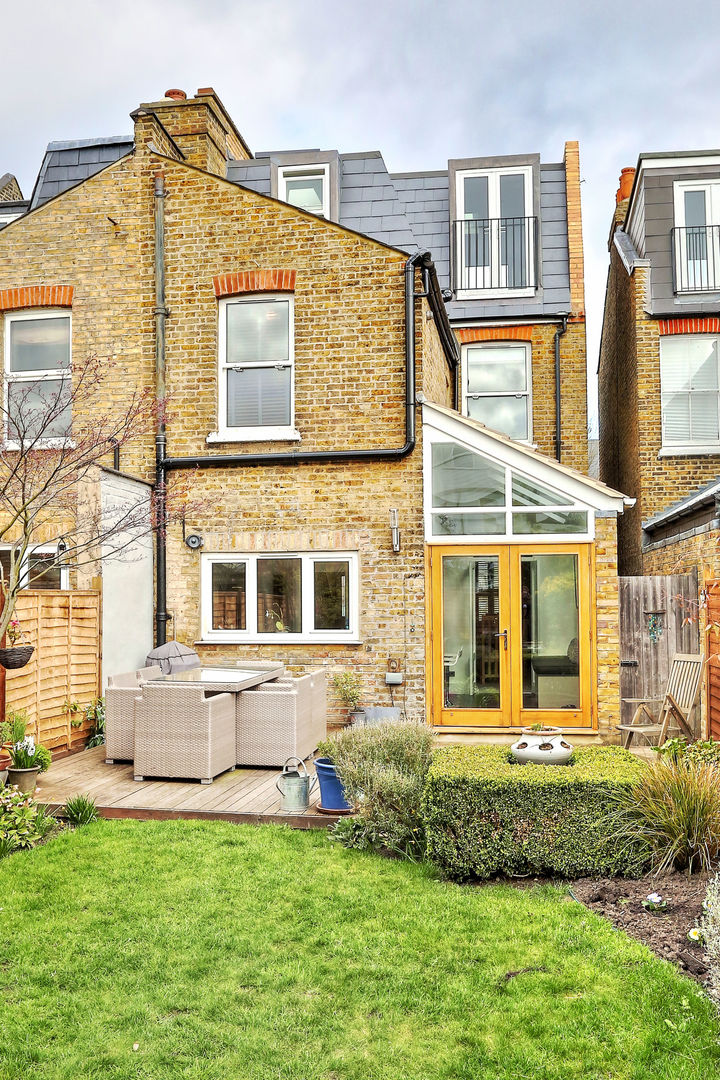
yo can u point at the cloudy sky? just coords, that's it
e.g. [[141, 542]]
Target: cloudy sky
[[420, 80]]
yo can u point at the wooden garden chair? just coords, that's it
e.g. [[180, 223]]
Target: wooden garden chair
[[676, 706]]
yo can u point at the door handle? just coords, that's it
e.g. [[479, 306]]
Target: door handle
[[504, 635]]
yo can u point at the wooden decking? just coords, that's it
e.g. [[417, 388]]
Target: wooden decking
[[244, 796]]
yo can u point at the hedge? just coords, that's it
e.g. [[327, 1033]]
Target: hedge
[[485, 814]]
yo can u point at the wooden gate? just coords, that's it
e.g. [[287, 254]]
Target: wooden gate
[[658, 618], [64, 627]]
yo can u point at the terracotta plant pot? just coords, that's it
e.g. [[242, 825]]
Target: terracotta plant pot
[[547, 747], [5, 762], [24, 779]]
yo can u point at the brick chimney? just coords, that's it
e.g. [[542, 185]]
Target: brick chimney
[[571, 160], [622, 196], [200, 126]]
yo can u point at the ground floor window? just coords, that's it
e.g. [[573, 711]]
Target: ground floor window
[[306, 596], [39, 569]]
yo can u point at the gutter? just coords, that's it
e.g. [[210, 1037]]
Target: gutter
[[558, 407], [431, 290]]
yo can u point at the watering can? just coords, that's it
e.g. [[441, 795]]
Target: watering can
[[295, 786]]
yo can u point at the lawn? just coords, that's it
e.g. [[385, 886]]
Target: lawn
[[207, 950]]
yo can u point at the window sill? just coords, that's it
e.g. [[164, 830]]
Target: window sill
[[690, 451], [274, 434], [494, 294], [277, 639], [41, 444]]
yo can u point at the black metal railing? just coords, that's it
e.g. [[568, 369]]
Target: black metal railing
[[696, 258], [495, 253]]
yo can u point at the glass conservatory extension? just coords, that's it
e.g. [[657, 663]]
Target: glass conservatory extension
[[511, 573]]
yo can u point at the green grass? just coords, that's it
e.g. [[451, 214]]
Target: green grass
[[244, 953]]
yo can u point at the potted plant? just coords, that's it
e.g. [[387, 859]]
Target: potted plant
[[5, 759], [16, 656], [332, 792], [348, 686], [542, 745], [28, 758]]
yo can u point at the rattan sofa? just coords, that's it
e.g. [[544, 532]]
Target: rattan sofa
[[184, 732], [280, 719], [120, 712]]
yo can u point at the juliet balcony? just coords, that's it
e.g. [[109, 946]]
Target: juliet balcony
[[696, 259], [495, 255]]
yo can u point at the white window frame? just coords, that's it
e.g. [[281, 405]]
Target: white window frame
[[700, 273], [255, 433], [493, 176], [432, 436], [251, 633], [36, 375], [39, 549], [290, 172], [527, 394], [670, 449]]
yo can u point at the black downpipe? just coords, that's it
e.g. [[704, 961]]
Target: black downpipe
[[558, 409], [161, 615]]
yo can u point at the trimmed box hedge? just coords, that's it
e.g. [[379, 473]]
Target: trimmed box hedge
[[485, 814]]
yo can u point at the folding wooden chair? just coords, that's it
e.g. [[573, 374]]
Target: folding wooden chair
[[676, 706]]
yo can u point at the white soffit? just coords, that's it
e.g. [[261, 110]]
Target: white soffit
[[544, 470]]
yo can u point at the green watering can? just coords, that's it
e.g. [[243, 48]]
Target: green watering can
[[295, 786]]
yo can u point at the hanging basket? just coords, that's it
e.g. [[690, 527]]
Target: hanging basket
[[16, 657]]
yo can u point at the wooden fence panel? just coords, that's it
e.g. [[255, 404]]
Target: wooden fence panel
[[712, 672], [658, 618], [64, 627]]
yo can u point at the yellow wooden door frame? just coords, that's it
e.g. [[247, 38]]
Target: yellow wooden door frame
[[511, 713]]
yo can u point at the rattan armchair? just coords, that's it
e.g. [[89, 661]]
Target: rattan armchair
[[184, 732], [120, 712], [280, 719]]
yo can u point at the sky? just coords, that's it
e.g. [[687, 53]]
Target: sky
[[420, 80]]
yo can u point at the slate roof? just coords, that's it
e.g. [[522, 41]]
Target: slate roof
[[704, 496], [66, 164]]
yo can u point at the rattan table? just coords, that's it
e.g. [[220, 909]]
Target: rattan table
[[231, 677]]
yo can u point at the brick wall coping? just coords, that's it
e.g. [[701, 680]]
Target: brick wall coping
[[689, 326], [494, 333], [31, 296], [247, 281]]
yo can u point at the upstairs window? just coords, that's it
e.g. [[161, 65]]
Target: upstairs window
[[496, 387], [495, 232], [696, 236], [37, 371], [305, 186], [256, 367], [690, 393]]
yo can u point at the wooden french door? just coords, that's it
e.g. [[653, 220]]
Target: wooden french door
[[511, 635]]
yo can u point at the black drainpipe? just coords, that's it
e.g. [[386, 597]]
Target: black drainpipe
[[558, 411], [160, 312], [421, 260]]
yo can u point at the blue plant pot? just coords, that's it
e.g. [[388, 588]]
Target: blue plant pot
[[332, 793]]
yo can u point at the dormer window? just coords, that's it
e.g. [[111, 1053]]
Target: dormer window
[[307, 187], [494, 234], [696, 236]]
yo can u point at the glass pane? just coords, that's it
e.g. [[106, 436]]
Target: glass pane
[[305, 192], [676, 418], [496, 368], [461, 478], [471, 623], [229, 596], [704, 418], [695, 213], [40, 344], [258, 331], [332, 595], [527, 492], [5, 564], [468, 524], [41, 573], [549, 521], [550, 632], [259, 397], [39, 409], [475, 203], [689, 364], [507, 415], [512, 196], [279, 596]]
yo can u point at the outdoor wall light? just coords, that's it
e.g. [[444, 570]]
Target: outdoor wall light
[[61, 548], [395, 530]]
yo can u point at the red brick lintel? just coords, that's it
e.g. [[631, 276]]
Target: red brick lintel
[[494, 333], [248, 281], [32, 296], [689, 326]]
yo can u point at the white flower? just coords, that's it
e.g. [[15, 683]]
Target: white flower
[[695, 934], [655, 898]]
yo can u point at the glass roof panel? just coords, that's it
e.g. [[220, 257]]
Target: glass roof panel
[[462, 478]]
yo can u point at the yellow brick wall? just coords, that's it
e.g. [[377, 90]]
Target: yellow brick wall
[[607, 628]]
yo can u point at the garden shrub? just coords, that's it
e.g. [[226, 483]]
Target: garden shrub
[[485, 814], [383, 770], [674, 813], [81, 810], [22, 821]]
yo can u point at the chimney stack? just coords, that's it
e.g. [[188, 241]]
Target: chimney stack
[[627, 177]]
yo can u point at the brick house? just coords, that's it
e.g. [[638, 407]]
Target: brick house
[[389, 444]]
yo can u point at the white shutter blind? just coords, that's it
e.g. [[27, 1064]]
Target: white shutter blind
[[689, 384], [259, 397], [257, 332]]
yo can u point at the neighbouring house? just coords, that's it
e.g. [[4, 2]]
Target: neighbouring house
[[377, 397]]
